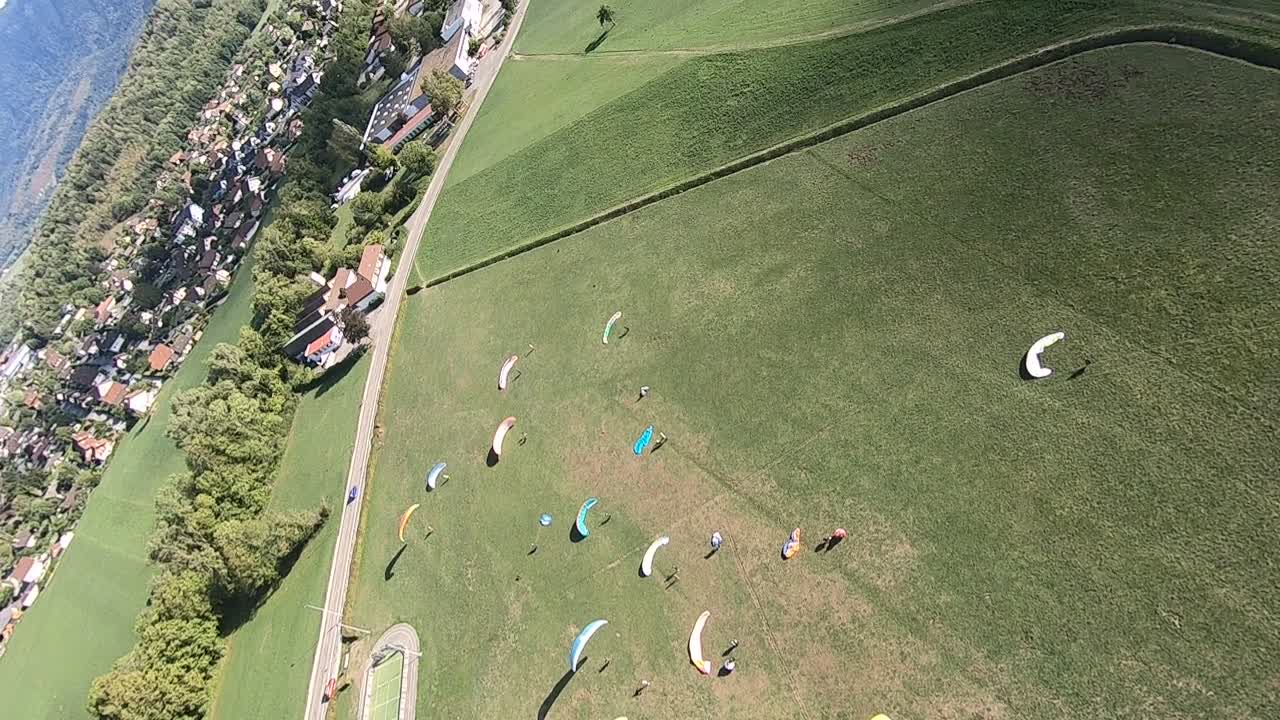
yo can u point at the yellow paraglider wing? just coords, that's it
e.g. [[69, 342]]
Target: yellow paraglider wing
[[404, 520]]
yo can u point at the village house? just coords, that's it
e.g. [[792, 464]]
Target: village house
[[314, 338], [93, 450], [463, 16], [111, 392], [26, 573], [160, 358], [405, 112]]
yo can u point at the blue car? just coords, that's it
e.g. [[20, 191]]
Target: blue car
[[351, 496]]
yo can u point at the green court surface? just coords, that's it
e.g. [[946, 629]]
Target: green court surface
[[386, 689]]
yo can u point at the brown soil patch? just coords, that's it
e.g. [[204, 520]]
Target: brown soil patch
[[1079, 80]]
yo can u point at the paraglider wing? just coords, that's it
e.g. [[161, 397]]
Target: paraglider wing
[[506, 370], [608, 327], [646, 565], [1032, 361], [501, 434], [580, 642], [434, 475], [643, 442], [695, 645], [792, 545], [581, 524], [404, 520]]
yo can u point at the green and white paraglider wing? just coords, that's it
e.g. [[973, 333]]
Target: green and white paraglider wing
[[608, 327]]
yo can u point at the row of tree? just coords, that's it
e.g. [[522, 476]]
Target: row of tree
[[218, 548]]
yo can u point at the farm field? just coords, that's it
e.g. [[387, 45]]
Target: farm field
[[103, 578], [581, 148], [832, 339], [570, 26], [264, 673]]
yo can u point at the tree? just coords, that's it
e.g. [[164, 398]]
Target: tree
[[605, 16], [395, 61], [444, 90], [509, 6], [418, 160], [383, 159], [354, 325], [367, 208], [284, 255], [345, 142], [178, 596], [254, 550]]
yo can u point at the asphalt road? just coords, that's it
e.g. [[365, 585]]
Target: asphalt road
[[329, 645]]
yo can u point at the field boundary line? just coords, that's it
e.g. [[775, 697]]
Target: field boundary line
[[1252, 51]]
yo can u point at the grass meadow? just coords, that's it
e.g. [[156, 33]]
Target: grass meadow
[[269, 656], [577, 147], [832, 339], [84, 619], [571, 26]]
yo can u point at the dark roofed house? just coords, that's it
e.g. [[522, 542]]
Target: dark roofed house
[[299, 343], [182, 341], [83, 377], [358, 294]]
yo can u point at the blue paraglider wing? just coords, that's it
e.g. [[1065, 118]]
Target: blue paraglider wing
[[581, 523], [580, 642], [643, 442]]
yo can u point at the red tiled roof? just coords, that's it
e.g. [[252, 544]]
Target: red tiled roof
[[321, 342], [160, 357], [369, 261], [115, 394]]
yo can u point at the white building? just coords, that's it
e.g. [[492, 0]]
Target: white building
[[463, 14]]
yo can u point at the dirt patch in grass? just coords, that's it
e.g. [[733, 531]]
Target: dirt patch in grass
[[1078, 81]]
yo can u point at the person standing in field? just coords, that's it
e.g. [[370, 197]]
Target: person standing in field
[[716, 541]]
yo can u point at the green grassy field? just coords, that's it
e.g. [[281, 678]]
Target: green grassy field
[[580, 148], [101, 583], [832, 340], [570, 26], [269, 657]]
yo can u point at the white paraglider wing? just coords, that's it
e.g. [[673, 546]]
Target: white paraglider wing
[[505, 371], [501, 433], [646, 565], [434, 476], [695, 645], [1032, 362]]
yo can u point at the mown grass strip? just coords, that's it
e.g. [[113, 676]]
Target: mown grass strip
[[1247, 50]]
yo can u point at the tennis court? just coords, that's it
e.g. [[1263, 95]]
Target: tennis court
[[385, 702]]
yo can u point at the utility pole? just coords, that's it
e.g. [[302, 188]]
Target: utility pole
[[340, 624]]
